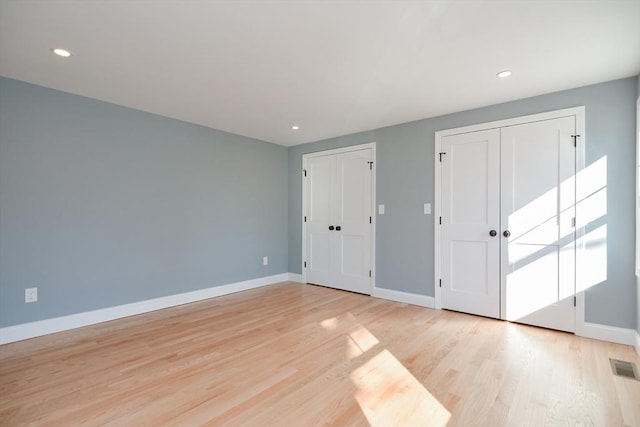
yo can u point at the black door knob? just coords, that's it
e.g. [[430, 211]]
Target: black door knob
[[331, 227], [506, 233], [493, 233], [338, 228]]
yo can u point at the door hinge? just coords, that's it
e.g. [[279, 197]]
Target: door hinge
[[440, 282], [370, 220], [369, 273], [440, 220], [575, 140], [305, 218], [305, 264], [573, 222], [441, 154], [305, 172], [574, 300], [370, 165]]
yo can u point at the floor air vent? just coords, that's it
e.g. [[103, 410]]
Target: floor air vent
[[624, 369]]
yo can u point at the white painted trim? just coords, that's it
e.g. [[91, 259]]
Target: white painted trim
[[602, 332], [607, 333], [405, 297], [514, 121], [580, 306], [374, 216], [638, 190], [347, 149], [294, 277], [372, 147], [578, 112], [49, 326], [437, 212]]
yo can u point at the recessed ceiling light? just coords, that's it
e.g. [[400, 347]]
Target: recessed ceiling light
[[61, 52], [294, 127], [503, 74]]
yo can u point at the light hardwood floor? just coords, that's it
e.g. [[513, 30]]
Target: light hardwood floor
[[295, 355]]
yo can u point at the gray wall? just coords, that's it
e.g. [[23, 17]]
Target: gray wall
[[103, 205], [637, 213], [404, 235]]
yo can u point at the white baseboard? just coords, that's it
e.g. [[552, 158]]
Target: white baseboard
[[294, 277], [607, 333], [405, 297], [49, 326], [637, 345]]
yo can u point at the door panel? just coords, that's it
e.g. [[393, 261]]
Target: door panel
[[353, 257], [537, 199], [319, 189], [470, 210], [353, 213], [319, 263], [473, 279], [355, 187], [318, 217], [470, 156]]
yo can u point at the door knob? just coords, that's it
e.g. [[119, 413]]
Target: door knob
[[331, 227], [493, 233], [338, 228], [506, 233]]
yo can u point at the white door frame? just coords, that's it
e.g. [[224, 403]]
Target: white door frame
[[578, 112], [370, 145]]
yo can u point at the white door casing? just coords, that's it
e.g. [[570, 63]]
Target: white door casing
[[338, 226], [538, 166]]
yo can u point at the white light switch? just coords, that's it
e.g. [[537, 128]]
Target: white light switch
[[427, 208], [380, 209]]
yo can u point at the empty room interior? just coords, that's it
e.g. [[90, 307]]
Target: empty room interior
[[314, 213]]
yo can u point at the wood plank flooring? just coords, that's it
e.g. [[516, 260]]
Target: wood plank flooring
[[295, 355]]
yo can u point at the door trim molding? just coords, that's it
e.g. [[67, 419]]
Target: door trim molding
[[548, 115], [372, 147], [578, 112]]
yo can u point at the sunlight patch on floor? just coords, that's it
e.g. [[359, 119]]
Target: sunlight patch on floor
[[389, 395], [362, 339], [330, 324]]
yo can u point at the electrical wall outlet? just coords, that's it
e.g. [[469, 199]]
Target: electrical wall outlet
[[30, 295], [265, 260]]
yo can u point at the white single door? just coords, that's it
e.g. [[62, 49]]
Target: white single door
[[470, 166], [319, 183], [353, 222], [338, 219], [538, 241]]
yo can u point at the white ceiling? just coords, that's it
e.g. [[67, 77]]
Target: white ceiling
[[255, 68]]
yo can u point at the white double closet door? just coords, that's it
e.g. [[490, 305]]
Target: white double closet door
[[508, 223], [338, 225]]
